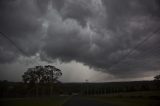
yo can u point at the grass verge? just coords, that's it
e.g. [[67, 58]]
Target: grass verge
[[51, 101], [147, 98]]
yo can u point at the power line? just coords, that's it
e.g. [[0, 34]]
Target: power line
[[151, 57], [148, 52], [13, 43], [134, 48]]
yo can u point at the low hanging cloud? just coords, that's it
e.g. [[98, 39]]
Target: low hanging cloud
[[97, 33]]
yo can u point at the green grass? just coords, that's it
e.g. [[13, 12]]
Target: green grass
[[53, 101], [131, 99]]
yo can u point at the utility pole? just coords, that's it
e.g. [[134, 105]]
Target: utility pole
[[86, 87]]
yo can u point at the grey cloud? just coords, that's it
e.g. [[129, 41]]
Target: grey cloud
[[126, 24], [65, 43], [127, 9], [58, 4], [97, 33], [78, 10], [42, 5], [20, 21]]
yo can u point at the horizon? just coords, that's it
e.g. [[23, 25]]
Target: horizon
[[94, 40]]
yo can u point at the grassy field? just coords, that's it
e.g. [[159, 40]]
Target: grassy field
[[52, 101], [145, 98], [148, 98]]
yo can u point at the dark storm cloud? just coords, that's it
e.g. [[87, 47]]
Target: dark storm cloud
[[126, 24], [58, 4], [78, 10], [20, 21], [42, 5], [94, 32]]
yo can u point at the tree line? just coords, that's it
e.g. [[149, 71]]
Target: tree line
[[43, 81]]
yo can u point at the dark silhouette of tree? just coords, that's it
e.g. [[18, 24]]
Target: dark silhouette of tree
[[41, 75], [30, 76], [157, 78], [41, 78], [157, 81]]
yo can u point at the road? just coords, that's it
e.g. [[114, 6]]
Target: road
[[80, 101]]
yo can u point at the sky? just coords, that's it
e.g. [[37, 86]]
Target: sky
[[94, 40]]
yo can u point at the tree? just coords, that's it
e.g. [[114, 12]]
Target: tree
[[157, 81], [41, 74], [157, 78]]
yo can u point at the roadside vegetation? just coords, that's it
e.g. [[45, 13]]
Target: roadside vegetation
[[139, 98], [40, 87]]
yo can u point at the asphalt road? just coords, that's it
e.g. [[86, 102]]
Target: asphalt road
[[80, 101]]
